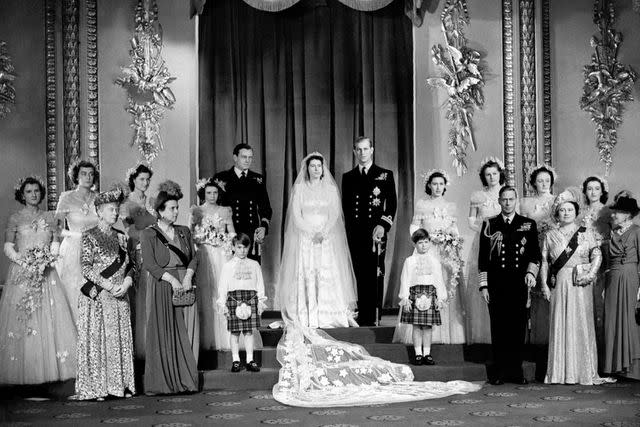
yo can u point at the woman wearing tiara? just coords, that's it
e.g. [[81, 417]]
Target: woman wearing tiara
[[38, 343], [597, 217], [316, 284], [316, 289], [437, 216], [137, 214], [77, 213], [484, 204], [538, 207]]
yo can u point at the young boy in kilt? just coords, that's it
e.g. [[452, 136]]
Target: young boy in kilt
[[422, 293], [242, 300]]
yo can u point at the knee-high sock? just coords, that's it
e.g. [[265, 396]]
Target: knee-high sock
[[248, 345], [235, 347], [426, 339], [417, 339]]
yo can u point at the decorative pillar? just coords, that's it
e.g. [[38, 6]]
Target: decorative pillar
[[528, 89], [51, 107], [71, 84], [93, 153], [508, 92]]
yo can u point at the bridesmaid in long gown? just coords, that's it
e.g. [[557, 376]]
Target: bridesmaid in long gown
[[173, 336], [538, 208], [212, 228], [38, 343], [621, 331], [105, 340], [484, 204], [435, 214], [137, 214], [77, 213], [597, 217], [573, 356]]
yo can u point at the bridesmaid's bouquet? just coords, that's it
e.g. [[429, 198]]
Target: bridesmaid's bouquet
[[207, 233], [34, 262], [450, 246]]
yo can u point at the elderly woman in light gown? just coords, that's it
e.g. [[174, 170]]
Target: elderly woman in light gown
[[571, 258], [437, 216], [316, 288]]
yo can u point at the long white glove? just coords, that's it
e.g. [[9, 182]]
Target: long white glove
[[474, 223], [11, 253]]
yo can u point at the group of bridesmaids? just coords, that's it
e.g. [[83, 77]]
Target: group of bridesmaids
[[567, 316]]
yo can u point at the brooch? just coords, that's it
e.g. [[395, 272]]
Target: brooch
[[376, 200], [382, 176], [221, 184], [259, 180], [376, 191], [523, 241]]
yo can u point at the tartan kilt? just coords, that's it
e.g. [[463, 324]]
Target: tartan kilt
[[234, 299], [428, 317]]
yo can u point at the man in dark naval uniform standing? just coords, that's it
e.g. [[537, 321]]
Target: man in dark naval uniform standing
[[369, 204], [508, 264], [245, 192]]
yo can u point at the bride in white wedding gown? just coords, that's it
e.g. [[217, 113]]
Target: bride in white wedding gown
[[316, 289]]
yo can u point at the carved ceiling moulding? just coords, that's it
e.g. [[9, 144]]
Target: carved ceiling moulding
[[147, 81]]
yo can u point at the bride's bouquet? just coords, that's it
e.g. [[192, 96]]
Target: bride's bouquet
[[450, 248], [34, 262]]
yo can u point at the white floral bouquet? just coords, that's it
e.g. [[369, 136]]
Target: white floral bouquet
[[449, 244], [34, 262], [207, 233]]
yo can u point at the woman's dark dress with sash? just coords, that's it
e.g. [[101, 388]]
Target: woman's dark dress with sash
[[622, 333], [170, 365]]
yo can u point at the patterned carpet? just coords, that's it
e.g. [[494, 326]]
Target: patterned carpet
[[507, 405]]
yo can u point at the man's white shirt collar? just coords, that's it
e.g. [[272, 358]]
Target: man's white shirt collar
[[366, 166], [239, 172], [509, 217]]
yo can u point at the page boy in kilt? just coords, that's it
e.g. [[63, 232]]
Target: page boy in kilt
[[242, 300], [422, 293]]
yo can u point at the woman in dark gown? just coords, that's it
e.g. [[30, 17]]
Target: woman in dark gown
[[621, 332], [172, 331]]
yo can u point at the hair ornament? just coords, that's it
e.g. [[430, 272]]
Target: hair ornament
[[426, 176], [490, 159], [22, 180], [534, 169], [132, 171], [74, 164], [202, 182]]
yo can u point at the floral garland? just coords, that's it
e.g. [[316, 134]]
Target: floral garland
[[463, 79], [147, 81], [608, 83], [7, 90], [34, 261]]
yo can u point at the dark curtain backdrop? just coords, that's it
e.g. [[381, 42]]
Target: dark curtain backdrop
[[312, 77]]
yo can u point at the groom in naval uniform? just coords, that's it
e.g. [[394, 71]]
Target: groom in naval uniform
[[369, 204], [245, 192], [508, 263]]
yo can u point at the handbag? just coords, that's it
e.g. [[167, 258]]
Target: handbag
[[183, 298], [582, 275]]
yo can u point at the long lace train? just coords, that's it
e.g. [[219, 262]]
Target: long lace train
[[319, 371]]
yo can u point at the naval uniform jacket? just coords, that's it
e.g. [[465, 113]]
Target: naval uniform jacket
[[507, 252], [368, 201], [247, 198]]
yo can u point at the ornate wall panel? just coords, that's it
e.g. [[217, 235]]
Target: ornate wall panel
[[547, 157], [528, 88], [71, 83], [92, 82], [508, 92], [51, 108]]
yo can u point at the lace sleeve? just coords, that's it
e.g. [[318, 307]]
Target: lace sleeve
[[477, 199], [12, 229], [333, 211], [89, 248], [53, 225]]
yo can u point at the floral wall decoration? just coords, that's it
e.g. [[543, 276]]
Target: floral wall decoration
[[608, 83], [147, 81], [462, 77], [7, 91]]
